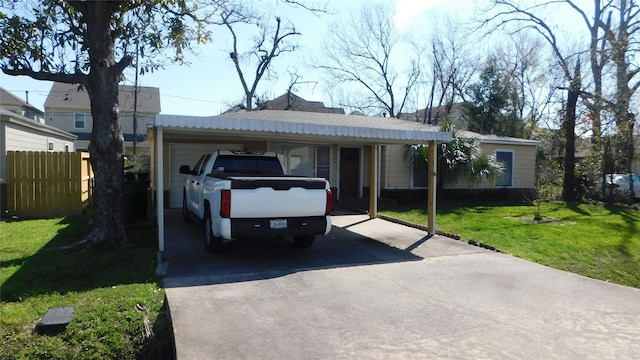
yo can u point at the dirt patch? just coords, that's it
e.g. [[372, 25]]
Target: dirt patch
[[543, 220]]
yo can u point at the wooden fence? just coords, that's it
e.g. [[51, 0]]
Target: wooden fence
[[46, 184]]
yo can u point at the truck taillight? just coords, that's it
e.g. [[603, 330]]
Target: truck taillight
[[225, 203], [327, 210]]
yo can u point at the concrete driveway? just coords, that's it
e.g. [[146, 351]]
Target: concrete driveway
[[401, 296]]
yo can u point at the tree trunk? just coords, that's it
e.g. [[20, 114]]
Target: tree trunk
[[630, 156], [249, 101], [107, 142], [569, 124]]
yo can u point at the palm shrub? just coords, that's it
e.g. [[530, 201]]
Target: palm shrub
[[459, 159]]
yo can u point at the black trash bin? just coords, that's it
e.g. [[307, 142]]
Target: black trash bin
[[136, 189]]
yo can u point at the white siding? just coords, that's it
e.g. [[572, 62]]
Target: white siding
[[143, 119], [21, 139], [177, 154], [65, 119], [365, 165], [524, 163], [398, 170]]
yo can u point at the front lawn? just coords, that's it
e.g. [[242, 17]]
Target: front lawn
[[118, 300], [591, 240]]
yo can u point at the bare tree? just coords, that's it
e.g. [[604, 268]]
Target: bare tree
[[365, 54], [502, 14], [521, 59], [453, 64], [268, 44]]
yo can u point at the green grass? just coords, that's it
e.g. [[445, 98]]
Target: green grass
[[591, 240], [107, 284]]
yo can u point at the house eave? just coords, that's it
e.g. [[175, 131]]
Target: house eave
[[25, 122], [510, 142]]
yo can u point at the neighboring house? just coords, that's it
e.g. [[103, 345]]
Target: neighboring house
[[18, 133], [437, 115], [289, 101], [69, 109], [11, 102], [293, 102]]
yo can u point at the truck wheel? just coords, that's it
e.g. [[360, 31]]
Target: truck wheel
[[185, 210], [212, 243], [304, 241]]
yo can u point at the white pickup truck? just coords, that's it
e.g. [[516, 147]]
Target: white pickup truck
[[244, 194]]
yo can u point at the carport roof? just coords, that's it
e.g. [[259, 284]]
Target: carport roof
[[308, 124]]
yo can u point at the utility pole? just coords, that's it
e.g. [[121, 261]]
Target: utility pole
[[135, 104]]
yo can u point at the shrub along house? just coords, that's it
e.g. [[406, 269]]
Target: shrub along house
[[518, 157]]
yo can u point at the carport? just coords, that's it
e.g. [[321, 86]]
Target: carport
[[267, 126]]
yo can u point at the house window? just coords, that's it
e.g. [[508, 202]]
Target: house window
[[309, 161], [506, 158], [322, 162], [419, 177], [80, 121], [50, 145]]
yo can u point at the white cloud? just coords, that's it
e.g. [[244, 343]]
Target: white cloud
[[406, 10]]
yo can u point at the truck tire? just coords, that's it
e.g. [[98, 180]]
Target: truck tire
[[185, 210], [212, 243], [304, 241]]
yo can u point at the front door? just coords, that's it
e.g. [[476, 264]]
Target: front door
[[349, 172]]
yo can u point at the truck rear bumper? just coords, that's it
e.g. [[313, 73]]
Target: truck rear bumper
[[295, 226]]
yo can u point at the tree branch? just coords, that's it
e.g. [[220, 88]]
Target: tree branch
[[75, 78]]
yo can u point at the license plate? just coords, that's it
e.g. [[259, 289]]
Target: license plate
[[278, 224]]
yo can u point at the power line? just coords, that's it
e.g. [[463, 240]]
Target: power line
[[140, 90], [193, 99]]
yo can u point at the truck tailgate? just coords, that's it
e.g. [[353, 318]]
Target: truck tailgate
[[277, 197]]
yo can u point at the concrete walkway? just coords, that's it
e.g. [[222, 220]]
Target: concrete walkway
[[401, 296]]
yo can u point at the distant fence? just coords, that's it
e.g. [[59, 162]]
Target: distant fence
[[45, 184]]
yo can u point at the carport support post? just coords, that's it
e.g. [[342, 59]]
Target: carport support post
[[373, 182], [432, 179], [159, 192]]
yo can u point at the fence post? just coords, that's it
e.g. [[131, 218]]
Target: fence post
[[11, 181]]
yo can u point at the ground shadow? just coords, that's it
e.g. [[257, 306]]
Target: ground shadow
[[59, 267], [631, 218], [264, 258], [575, 207]]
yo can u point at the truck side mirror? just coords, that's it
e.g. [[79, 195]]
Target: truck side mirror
[[184, 169]]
